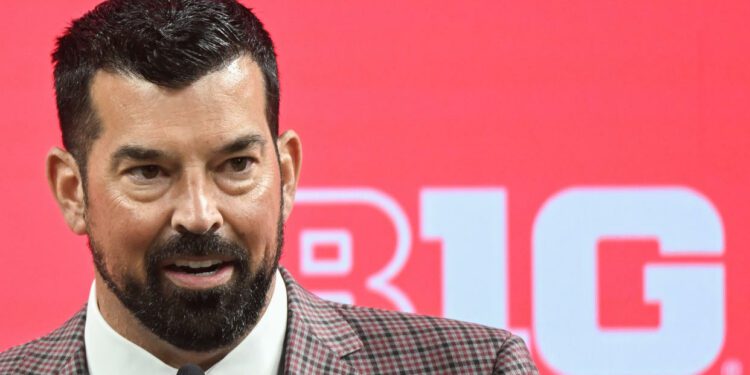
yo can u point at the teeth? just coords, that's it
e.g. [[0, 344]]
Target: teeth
[[196, 264]]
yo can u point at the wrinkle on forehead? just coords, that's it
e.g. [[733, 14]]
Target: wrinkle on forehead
[[221, 98]]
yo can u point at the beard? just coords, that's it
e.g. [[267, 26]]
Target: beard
[[195, 320]]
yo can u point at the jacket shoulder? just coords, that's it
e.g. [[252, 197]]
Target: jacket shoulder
[[409, 343], [48, 354]]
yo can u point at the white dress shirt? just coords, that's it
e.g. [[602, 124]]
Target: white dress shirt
[[108, 353]]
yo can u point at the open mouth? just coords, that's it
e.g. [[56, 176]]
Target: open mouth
[[199, 273], [201, 268]]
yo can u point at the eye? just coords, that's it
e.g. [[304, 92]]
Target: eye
[[240, 164], [145, 172]]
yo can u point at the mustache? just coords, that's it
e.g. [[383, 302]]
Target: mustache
[[197, 245]]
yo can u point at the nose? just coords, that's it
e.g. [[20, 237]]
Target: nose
[[195, 209]]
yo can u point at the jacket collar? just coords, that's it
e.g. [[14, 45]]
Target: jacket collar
[[317, 336], [62, 350], [76, 364]]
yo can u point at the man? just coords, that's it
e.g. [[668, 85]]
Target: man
[[175, 171]]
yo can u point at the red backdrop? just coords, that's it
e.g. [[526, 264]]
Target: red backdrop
[[518, 108]]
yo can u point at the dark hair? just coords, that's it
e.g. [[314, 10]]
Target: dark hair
[[171, 43]]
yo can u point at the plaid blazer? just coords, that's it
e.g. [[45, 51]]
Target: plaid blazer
[[327, 338]]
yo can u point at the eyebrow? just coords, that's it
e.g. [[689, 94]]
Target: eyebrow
[[135, 153], [243, 143], [140, 153]]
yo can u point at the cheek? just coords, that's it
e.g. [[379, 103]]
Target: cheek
[[123, 232], [254, 220]]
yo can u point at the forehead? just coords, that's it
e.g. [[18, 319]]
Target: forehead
[[217, 107]]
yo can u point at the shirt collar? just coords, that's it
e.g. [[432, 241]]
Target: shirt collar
[[107, 352]]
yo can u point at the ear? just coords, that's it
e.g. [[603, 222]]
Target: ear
[[290, 161], [64, 179]]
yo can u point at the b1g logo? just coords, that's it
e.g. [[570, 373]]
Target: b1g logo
[[357, 251]]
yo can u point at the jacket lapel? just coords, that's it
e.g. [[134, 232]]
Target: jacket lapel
[[317, 337]]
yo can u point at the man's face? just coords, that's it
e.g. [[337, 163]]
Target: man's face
[[184, 204]]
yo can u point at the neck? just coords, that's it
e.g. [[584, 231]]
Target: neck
[[122, 320]]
